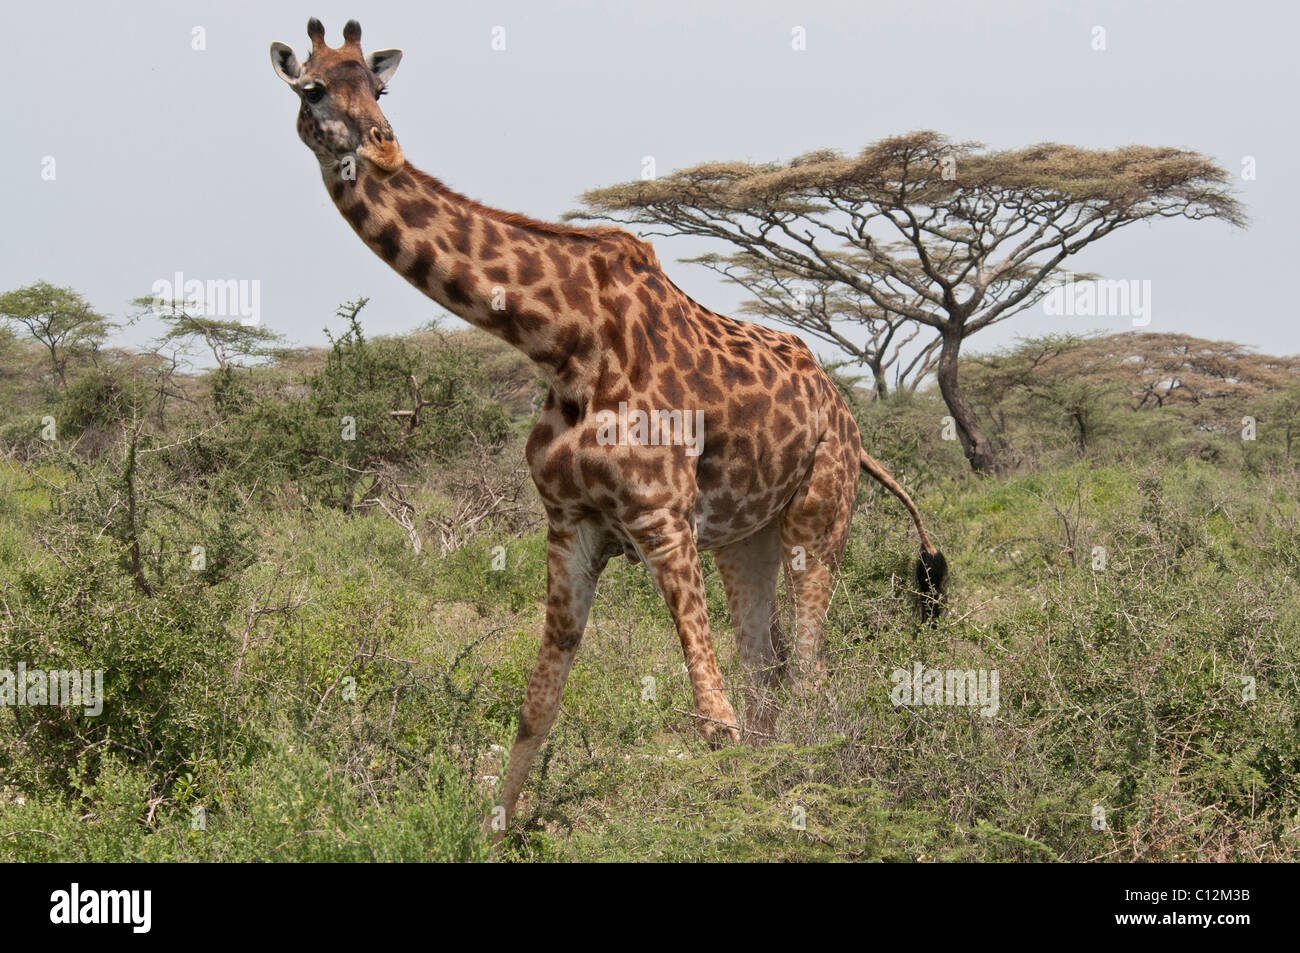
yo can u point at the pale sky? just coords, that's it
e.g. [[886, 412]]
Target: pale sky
[[168, 158]]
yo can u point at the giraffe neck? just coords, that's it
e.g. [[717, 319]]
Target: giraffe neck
[[535, 286]]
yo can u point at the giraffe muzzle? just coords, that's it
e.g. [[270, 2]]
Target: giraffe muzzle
[[381, 150]]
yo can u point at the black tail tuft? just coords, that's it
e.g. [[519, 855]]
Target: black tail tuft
[[930, 570]]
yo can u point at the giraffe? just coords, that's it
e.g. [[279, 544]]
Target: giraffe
[[766, 481]]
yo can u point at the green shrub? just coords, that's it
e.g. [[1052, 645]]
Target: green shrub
[[333, 433], [293, 805]]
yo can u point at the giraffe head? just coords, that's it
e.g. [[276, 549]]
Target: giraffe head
[[339, 90]]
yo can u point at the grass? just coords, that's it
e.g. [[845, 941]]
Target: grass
[[1122, 690], [322, 692]]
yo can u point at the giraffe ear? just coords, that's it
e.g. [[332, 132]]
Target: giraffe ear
[[286, 65], [383, 63]]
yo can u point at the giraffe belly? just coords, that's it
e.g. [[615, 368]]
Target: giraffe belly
[[745, 481], [724, 515]]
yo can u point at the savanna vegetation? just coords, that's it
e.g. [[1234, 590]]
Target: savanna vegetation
[[313, 580]]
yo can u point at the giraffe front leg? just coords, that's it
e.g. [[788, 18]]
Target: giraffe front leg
[[668, 550], [573, 564]]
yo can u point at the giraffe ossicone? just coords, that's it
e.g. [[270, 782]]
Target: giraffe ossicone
[[771, 482]]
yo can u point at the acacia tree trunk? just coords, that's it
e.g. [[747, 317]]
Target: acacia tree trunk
[[57, 364], [880, 379], [978, 450]]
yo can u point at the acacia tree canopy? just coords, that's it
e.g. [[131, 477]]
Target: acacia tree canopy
[[62, 321], [227, 340], [926, 230], [1088, 380]]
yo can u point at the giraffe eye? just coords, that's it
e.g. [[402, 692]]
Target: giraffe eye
[[314, 92], [382, 90]]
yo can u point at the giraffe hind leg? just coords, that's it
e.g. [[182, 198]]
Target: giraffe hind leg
[[814, 529], [750, 569]]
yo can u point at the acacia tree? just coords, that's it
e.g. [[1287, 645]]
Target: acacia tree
[[1210, 385], [1056, 371], [1163, 370], [59, 319], [939, 233], [227, 341]]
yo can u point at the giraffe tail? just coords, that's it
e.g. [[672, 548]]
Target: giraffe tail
[[931, 567]]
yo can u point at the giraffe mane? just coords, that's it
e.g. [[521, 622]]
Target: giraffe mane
[[640, 250]]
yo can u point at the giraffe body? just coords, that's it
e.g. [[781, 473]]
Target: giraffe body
[[765, 479]]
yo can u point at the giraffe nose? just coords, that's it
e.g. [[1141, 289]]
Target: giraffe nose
[[381, 148]]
